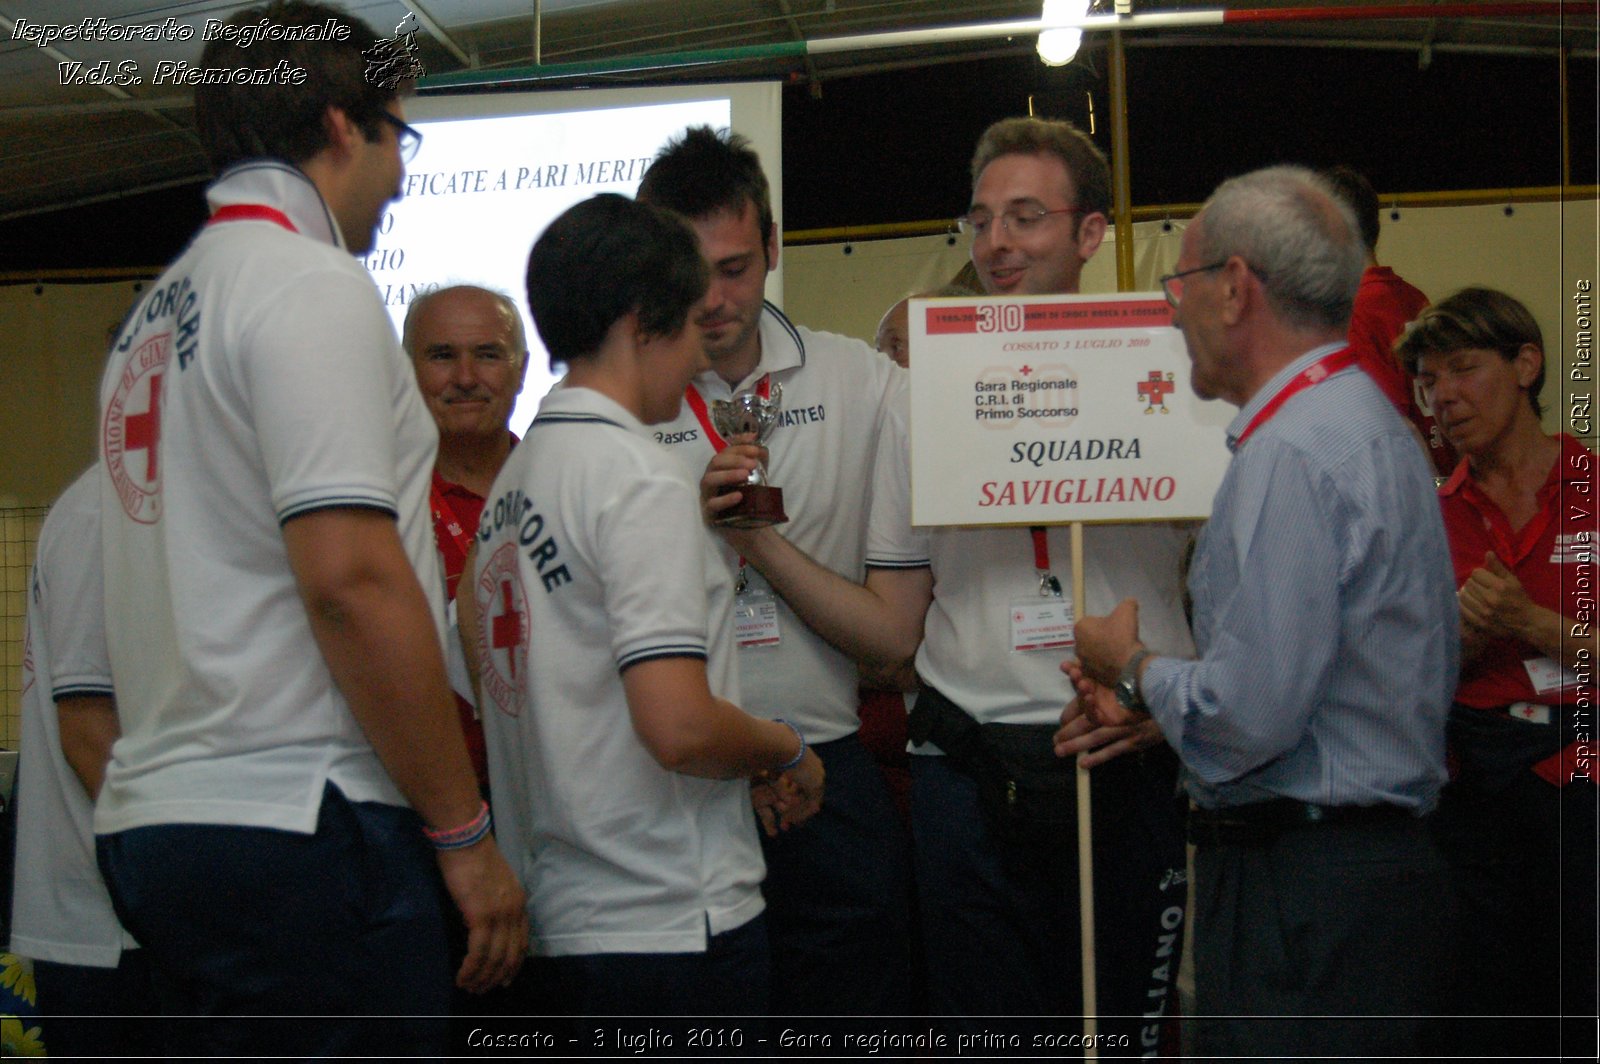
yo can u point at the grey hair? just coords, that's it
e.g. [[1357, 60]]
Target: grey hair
[[1297, 235], [519, 339]]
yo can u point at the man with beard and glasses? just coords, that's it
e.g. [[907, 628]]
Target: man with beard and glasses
[[998, 900]]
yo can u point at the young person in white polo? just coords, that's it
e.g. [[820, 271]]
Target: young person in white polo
[[997, 889], [621, 772], [273, 599], [93, 983], [838, 892]]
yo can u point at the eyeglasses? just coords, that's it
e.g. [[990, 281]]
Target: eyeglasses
[[1014, 220], [410, 140], [1172, 283]]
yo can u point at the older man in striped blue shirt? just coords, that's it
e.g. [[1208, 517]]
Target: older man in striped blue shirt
[[1311, 727]]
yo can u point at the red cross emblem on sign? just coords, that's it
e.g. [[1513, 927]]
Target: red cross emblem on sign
[[1154, 391]]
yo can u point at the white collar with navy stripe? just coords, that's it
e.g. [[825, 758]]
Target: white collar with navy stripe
[[274, 183], [781, 349]]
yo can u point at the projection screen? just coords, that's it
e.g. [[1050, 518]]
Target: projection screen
[[495, 168]]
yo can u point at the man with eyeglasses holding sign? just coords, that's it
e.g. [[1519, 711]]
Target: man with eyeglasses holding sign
[[999, 896], [1311, 727], [291, 780]]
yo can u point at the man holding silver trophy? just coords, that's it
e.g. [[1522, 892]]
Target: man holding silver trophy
[[998, 897], [837, 888]]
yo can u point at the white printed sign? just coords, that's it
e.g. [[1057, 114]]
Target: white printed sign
[[1049, 409]]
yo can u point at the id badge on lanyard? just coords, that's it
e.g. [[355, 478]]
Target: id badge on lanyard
[[1548, 676], [755, 614], [1043, 620], [755, 611]]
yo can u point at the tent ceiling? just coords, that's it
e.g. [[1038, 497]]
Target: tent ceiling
[[72, 144]]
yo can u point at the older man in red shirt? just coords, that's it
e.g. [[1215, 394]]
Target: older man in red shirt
[[468, 349]]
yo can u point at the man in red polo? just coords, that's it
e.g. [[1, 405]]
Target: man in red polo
[[468, 349], [1385, 304]]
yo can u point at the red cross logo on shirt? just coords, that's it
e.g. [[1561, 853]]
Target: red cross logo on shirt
[[503, 637], [143, 431], [123, 433], [508, 626], [1154, 391]]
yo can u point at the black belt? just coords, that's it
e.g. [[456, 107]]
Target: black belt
[[1262, 822]]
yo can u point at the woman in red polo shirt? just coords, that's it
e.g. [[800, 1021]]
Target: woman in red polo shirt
[[1518, 818]]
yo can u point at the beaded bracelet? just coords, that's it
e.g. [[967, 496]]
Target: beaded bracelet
[[799, 756], [467, 834]]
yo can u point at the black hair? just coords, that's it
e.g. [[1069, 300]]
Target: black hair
[[603, 258], [279, 113], [706, 170], [1352, 186]]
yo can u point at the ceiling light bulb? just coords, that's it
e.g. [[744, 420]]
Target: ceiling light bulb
[[1058, 46]]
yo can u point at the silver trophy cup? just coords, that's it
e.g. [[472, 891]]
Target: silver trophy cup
[[750, 413]]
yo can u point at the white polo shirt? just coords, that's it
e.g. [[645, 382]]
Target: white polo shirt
[[258, 380], [60, 910], [592, 557], [979, 574], [835, 393]]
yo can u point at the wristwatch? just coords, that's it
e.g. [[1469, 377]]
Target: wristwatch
[[1128, 683]]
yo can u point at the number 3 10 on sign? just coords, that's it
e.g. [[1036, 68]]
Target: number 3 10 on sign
[[999, 317]]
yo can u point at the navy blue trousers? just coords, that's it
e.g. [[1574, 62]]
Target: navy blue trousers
[[730, 979], [265, 941], [838, 892], [1522, 857], [91, 1013], [1000, 919]]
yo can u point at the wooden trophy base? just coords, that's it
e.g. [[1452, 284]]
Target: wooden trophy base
[[761, 506]]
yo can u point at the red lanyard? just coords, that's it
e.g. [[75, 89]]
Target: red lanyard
[[1514, 545], [252, 212], [1314, 374], [1041, 549], [1048, 584], [444, 515], [697, 403]]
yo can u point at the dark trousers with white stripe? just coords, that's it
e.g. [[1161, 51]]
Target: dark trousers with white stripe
[[1000, 918]]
